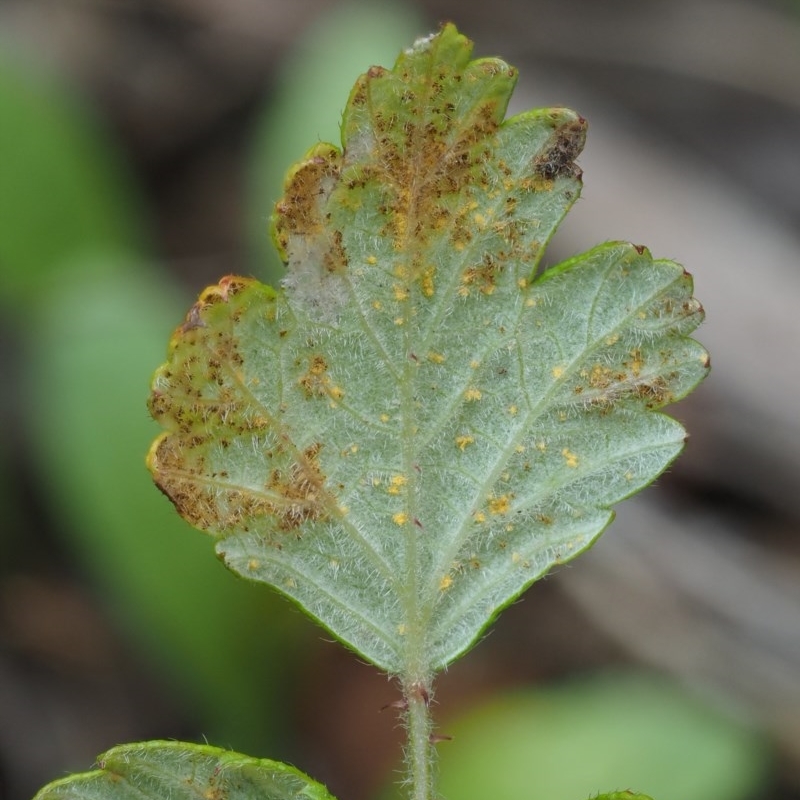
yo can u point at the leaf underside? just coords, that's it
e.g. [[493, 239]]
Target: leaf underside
[[422, 422], [155, 770]]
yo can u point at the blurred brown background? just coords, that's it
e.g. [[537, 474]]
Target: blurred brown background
[[694, 150]]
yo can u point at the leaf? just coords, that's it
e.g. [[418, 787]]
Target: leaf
[[66, 193], [155, 770], [422, 423]]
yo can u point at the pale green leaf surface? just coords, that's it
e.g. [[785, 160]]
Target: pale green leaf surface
[[157, 770], [421, 424]]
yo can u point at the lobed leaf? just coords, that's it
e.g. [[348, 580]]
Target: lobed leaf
[[422, 422], [155, 770]]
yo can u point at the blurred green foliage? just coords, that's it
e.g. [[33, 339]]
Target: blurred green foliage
[[65, 192], [615, 731]]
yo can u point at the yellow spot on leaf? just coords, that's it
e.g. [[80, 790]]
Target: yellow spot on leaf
[[400, 518], [384, 417], [520, 448], [437, 358], [400, 292], [445, 583], [499, 505], [472, 394], [464, 441], [613, 339], [401, 629], [513, 410], [399, 321], [372, 260], [474, 364], [253, 564], [426, 282], [395, 483], [570, 458], [558, 372], [480, 516], [637, 363], [377, 305]]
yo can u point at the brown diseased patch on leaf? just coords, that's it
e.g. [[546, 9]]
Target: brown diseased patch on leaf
[[655, 393], [316, 382], [301, 488], [202, 356], [197, 396], [428, 155], [565, 145], [291, 496], [300, 210], [228, 287]]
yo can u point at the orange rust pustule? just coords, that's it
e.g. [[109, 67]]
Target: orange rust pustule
[[655, 393], [302, 488], [315, 381], [485, 275]]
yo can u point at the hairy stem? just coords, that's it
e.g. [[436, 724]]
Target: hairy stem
[[420, 752]]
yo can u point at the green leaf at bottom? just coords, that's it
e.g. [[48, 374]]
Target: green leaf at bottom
[[180, 771]]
